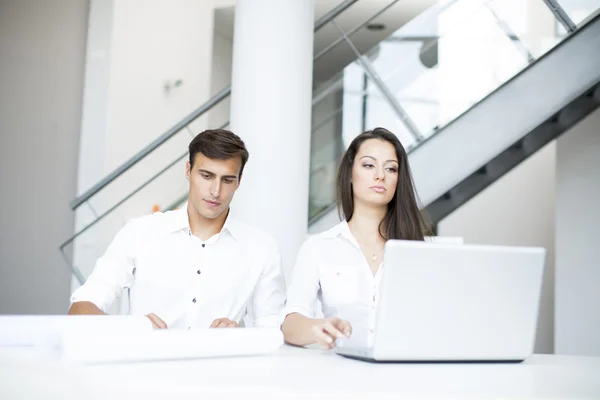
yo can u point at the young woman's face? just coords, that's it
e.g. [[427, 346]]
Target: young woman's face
[[375, 173]]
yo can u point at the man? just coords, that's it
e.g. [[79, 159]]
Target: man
[[198, 266]]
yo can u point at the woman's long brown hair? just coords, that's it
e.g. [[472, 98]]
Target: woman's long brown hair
[[403, 219]]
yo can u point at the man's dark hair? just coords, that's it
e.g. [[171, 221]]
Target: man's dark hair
[[218, 144]]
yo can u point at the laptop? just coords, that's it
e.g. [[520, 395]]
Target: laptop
[[454, 303], [444, 239]]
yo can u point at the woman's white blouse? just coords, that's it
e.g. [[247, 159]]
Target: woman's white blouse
[[330, 267]]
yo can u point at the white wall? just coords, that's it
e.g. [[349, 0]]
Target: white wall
[[42, 53], [577, 324], [518, 209]]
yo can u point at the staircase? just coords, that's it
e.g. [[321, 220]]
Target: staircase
[[535, 107], [539, 96]]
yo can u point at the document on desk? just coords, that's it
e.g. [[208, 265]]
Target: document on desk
[[47, 330], [168, 345], [104, 338]]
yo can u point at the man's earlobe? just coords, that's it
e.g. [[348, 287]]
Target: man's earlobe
[[188, 170]]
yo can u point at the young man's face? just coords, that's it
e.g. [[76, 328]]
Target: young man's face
[[212, 184]]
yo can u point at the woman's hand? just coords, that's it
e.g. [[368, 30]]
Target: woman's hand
[[326, 331]]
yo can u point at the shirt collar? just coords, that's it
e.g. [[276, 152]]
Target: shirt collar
[[343, 230], [180, 220], [232, 226]]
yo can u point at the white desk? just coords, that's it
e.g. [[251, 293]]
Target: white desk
[[302, 374]]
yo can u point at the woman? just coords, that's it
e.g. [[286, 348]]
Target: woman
[[342, 266]]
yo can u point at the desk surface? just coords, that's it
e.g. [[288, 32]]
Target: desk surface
[[300, 373]]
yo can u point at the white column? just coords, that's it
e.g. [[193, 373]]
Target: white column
[[271, 112]]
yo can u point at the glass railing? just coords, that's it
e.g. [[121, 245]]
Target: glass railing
[[578, 11], [325, 145], [431, 69], [411, 69], [441, 63]]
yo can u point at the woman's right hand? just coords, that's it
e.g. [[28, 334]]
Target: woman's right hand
[[327, 330]]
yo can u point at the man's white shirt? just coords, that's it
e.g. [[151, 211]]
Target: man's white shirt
[[189, 283]]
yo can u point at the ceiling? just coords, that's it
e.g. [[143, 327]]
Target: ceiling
[[396, 16]]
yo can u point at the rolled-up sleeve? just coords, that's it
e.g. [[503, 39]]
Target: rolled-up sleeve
[[112, 273], [269, 294], [304, 287]]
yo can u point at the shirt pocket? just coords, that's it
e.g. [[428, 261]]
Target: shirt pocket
[[339, 285]]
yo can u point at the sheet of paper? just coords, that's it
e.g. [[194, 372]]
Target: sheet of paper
[[37, 330]]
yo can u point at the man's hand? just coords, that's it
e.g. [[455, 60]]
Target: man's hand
[[85, 308], [224, 323], [157, 323], [328, 330]]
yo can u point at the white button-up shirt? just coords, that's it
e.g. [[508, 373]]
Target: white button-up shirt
[[330, 267], [187, 282]]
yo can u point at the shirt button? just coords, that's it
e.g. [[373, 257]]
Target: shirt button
[[198, 272], [194, 300], [203, 245]]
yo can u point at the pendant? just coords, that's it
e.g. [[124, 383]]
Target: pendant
[[374, 257]]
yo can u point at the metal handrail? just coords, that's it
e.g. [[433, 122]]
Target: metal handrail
[[216, 99]]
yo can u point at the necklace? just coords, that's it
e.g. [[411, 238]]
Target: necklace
[[362, 247], [373, 255]]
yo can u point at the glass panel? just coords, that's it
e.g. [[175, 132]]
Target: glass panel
[[475, 56], [329, 64], [326, 145], [354, 117], [442, 62], [579, 10], [529, 24], [328, 33], [379, 113], [332, 54]]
